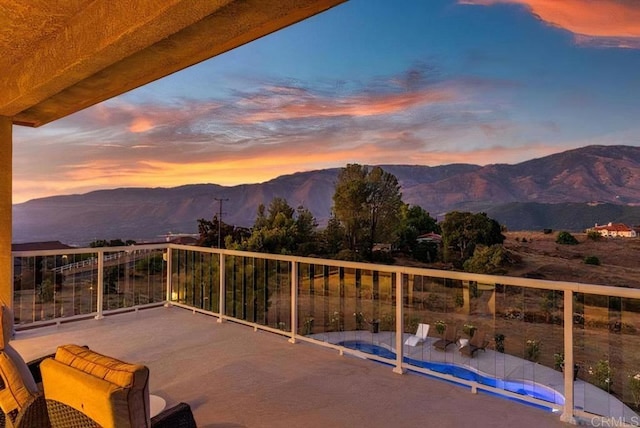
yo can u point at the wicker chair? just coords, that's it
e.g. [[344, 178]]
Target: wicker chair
[[24, 404], [53, 414]]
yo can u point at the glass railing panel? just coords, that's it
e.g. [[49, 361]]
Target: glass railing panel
[[133, 277], [49, 287], [279, 291], [181, 277], [627, 358], [367, 304], [314, 300], [606, 349], [351, 311], [194, 279], [258, 290], [307, 297]]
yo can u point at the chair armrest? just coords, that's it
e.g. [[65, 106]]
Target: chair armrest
[[34, 367], [178, 416]]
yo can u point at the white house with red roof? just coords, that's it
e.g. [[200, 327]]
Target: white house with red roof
[[429, 237], [614, 230]]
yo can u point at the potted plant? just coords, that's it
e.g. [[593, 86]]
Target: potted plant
[[469, 329], [440, 326], [359, 316], [308, 326], [499, 339], [532, 350], [558, 361], [375, 325]]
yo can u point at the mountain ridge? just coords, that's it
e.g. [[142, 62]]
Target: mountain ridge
[[592, 176]]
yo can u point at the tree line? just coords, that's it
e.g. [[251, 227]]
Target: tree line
[[367, 211]]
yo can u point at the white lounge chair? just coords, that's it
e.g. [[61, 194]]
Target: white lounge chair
[[419, 337]]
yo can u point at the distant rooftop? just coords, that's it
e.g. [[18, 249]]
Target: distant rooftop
[[34, 246]]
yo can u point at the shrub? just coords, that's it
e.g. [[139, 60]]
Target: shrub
[[592, 260], [634, 386], [348, 255], [566, 238], [602, 375], [490, 260], [382, 257], [593, 235]]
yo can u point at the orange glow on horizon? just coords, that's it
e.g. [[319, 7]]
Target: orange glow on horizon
[[257, 169]]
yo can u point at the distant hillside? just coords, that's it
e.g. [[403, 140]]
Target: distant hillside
[[570, 190], [571, 217]]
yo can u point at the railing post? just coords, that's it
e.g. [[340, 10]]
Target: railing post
[[168, 258], [567, 413], [294, 301], [223, 287], [399, 324], [100, 290]]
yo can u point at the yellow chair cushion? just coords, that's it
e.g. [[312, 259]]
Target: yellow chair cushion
[[100, 400], [110, 369], [16, 392], [111, 392]]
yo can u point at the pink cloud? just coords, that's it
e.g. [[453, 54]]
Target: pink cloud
[[285, 108], [604, 23]]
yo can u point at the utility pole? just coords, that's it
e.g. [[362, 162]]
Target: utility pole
[[220, 200]]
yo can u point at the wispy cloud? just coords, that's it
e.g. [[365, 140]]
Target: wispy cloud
[[601, 23], [253, 135]]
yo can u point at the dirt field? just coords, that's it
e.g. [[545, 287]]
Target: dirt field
[[544, 259]]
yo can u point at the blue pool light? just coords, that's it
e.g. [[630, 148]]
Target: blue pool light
[[521, 387]]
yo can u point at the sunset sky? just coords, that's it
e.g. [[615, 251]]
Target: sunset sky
[[372, 82]]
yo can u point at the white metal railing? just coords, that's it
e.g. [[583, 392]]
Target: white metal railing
[[189, 272]]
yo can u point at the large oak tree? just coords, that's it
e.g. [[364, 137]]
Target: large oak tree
[[367, 202]]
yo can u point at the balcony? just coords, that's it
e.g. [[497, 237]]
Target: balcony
[[271, 341]]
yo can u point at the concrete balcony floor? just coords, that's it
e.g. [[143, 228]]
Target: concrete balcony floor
[[233, 376]]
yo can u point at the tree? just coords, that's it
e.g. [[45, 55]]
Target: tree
[[462, 231], [98, 243], [384, 202], [208, 231], [282, 230], [333, 236], [367, 203], [349, 203], [415, 221]]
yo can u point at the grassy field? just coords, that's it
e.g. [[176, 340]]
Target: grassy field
[[543, 258]]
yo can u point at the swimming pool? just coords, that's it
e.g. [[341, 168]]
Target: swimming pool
[[522, 387]]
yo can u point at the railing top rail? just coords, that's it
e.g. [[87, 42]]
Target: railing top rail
[[435, 273], [390, 269], [89, 250]]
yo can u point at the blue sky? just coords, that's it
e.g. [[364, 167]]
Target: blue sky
[[370, 81]]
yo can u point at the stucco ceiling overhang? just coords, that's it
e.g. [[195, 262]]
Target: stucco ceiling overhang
[[60, 56]]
